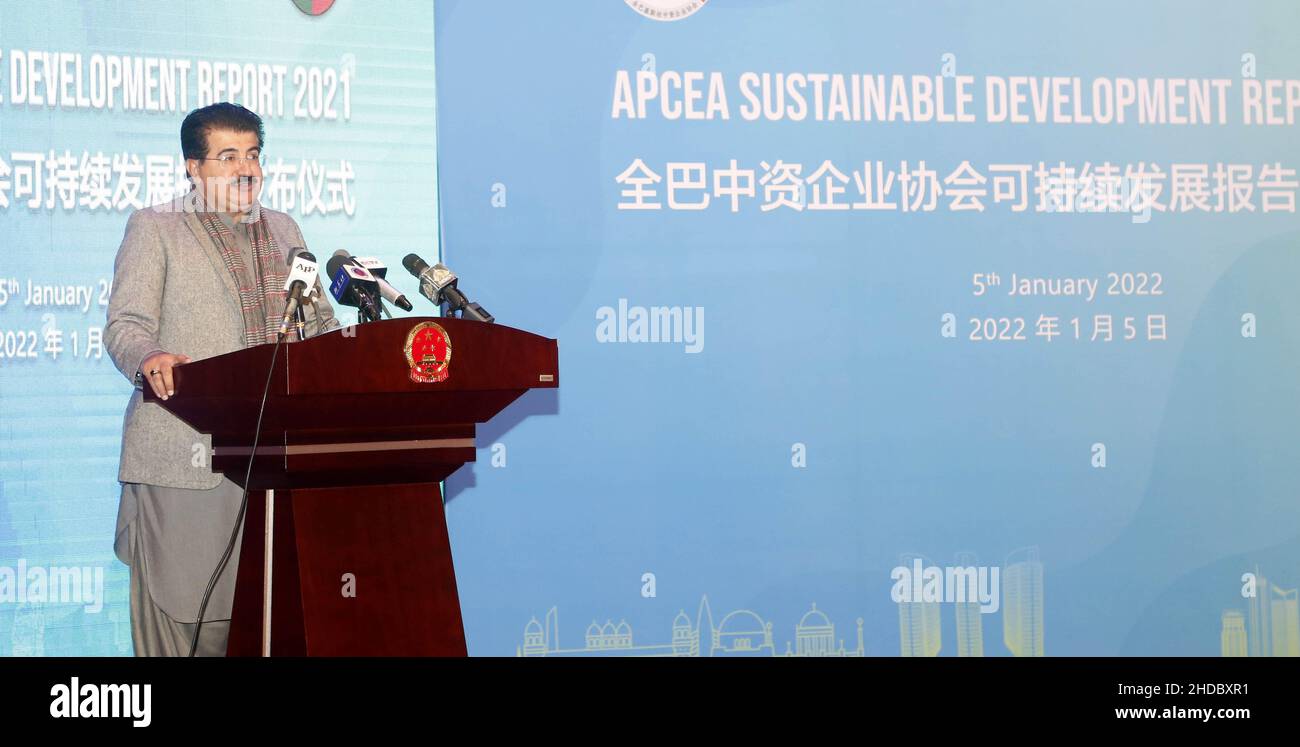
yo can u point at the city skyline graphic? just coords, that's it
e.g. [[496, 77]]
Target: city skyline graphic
[[1269, 626], [738, 633], [744, 632]]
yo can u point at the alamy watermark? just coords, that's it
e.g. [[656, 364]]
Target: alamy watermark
[[24, 584], [951, 584], [77, 700], [627, 323]]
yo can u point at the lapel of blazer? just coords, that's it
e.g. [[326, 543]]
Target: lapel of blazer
[[210, 251]]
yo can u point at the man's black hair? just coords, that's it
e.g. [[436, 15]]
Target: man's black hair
[[220, 116]]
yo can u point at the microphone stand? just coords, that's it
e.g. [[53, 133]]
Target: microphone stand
[[367, 310], [301, 325]]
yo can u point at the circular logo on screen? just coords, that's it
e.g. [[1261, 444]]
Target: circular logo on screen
[[313, 7], [666, 10], [428, 353]]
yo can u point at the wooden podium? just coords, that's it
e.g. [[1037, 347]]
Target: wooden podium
[[360, 426]]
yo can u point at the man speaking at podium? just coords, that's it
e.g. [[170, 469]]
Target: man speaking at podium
[[197, 277]]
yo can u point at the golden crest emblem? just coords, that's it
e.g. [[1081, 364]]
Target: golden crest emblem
[[428, 353]]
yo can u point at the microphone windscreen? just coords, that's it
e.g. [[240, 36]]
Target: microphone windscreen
[[333, 265], [414, 264]]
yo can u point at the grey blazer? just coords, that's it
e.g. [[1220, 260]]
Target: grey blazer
[[172, 292]]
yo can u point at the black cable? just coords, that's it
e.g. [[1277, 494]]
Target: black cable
[[243, 501]]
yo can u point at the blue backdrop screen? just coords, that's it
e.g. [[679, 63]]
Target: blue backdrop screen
[[862, 307]]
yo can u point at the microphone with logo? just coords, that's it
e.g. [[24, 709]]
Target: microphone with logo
[[438, 284], [353, 285], [380, 271], [300, 285]]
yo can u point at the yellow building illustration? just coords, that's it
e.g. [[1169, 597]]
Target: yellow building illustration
[[1286, 623], [1232, 640], [1022, 603], [970, 621], [1270, 625], [1259, 618], [918, 622]]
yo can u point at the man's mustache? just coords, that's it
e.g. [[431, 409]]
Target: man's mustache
[[218, 181]]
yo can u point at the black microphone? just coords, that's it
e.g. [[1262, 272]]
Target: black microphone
[[438, 284], [353, 285], [301, 281]]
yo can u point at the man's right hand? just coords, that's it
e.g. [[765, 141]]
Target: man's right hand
[[157, 371]]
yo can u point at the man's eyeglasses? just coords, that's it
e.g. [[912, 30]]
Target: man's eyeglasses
[[234, 159]]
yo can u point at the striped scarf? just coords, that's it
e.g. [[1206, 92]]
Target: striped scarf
[[261, 290]]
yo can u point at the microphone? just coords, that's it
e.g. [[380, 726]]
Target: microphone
[[353, 285], [380, 271], [313, 293], [438, 284], [300, 283]]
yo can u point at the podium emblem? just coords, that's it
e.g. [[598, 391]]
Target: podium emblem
[[428, 353]]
